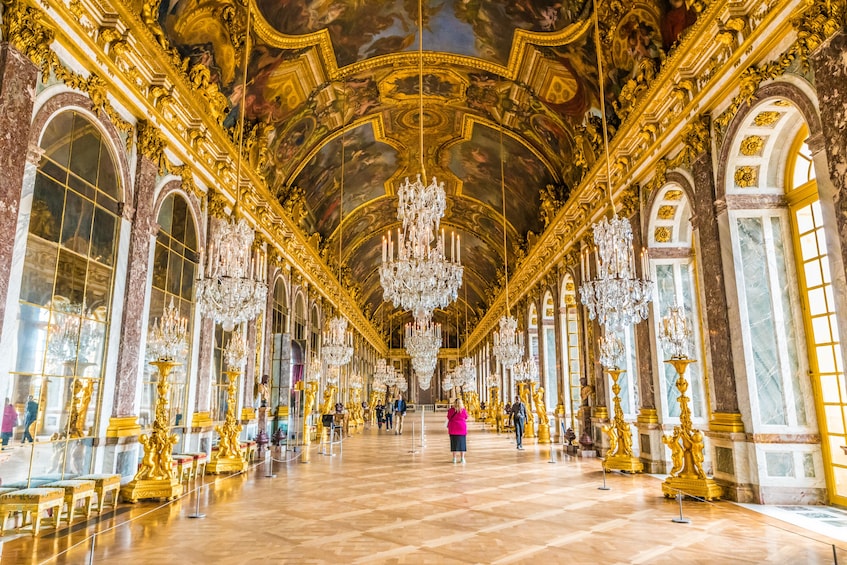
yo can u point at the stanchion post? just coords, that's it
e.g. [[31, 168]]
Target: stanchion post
[[552, 453], [604, 487], [94, 542], [197, 513], [681, 519], [270, 472], [413, 450]]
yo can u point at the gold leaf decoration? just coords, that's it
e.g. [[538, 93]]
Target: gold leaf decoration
[[746, 176], [673, 195], [767, 119], [752, 145], [666, 212], [662, 234]]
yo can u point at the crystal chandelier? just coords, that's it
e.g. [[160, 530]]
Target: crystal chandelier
[[526, 371], [234, 291], [612, 350], [401, 383], [424, 368], [508, 343], [356, 382], [675, 333], [447, 382], [337, 346], [493, 380], [423, 338], [616, 298], [420, 277], [313, 373], [234, 288], [383, 374], [166, 339], [235, 353]]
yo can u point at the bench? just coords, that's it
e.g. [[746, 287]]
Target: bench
[[103, 485], [32, 502], [75, 490]]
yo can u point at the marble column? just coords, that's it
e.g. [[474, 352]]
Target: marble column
[[17, 94], [130, 356], [726, 416], [646, 389], [830, 77]]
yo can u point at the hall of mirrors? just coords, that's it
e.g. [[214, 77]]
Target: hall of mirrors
[[728, 161]]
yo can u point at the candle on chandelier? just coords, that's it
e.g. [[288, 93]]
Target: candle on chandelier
[[645, 263], [458, 249]]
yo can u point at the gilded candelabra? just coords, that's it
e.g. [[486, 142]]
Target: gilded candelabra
[[229, 457], [156, 477], [310, 388], [619, 456], [686, 445]]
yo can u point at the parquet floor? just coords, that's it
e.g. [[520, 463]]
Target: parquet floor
[[379, 503]]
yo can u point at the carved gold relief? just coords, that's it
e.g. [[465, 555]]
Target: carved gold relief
[[766, 119], [151, 143], [666, 212], [662, 234], [746, 176], [752, 145], [674, 194]]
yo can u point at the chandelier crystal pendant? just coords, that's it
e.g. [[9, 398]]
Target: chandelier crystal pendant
[[508, 343], [675, 333], [337, 345], [420, 277], [234, 288], [235, 353], [616, 298], [313, 373], [526, 371], [612, 350], [166, 340]]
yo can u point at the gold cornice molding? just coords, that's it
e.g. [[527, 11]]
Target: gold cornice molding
[[700, 75], [163, 94]]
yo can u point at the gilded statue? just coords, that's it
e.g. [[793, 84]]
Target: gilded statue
[[676, 452], [228, 445], [540, 407], [149, 15], [81, 391]]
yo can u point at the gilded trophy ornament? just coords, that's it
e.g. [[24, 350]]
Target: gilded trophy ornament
[[541, 413], [229, 457]]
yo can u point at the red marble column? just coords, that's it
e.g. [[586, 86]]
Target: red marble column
[[141, 235], [644, 359], [715, 309], [830, 81], [17, 94]]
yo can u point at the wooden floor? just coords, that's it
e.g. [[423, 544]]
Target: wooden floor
[[379, 503]]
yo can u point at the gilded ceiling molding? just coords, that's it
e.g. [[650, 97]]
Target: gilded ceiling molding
[[218, 204]]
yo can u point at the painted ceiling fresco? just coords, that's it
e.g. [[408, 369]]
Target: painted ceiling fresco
[[315, 68]]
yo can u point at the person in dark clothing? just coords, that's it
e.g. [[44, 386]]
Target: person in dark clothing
[[30, 415], [519, 417]]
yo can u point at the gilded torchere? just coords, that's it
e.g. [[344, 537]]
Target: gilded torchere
[[229, 457], [156, 477], [619, 456], [686, 445], [310, 389]]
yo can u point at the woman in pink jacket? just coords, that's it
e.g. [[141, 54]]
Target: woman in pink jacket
[[457, 427]]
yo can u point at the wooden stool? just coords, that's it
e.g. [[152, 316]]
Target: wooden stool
[[200, 459], [32, 501], [185, 466], [103, 485], [75, 490]]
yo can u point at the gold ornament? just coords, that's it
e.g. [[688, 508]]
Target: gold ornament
[[752, 145], [746, 176], [229, 456], [619, 456]]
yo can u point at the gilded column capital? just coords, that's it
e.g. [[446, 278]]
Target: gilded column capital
[[818, 21], [217, 203], [151, 143], [695, 138], [26, 30], [187, 179]]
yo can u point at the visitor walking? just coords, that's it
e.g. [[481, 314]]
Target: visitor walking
[[30, 416], [389, 415], [379, 409], [400, 412], [457, 427], [519, 418]]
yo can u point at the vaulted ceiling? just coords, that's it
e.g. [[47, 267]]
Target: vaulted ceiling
[[325, 73]]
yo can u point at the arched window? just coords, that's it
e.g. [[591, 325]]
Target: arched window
[[175, 265], [532, 331], [315, 331], [66, 294], [549, 380], [219, 393], [280, 342], [300, 317], [571, 349], [673, 269]]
